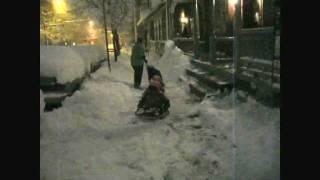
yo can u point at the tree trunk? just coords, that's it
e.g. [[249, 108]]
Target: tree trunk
[[106, 33], [116, 44]]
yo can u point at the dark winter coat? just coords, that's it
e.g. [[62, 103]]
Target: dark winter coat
[[152, 98], [137, 55]]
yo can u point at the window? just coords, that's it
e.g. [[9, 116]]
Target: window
[[183, 18], [252, 13]]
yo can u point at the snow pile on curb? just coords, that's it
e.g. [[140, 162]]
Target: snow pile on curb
[[92, 136], [42, 103], [257, 136], [90, 54], [93, 107], [173, 62], [61, 62]]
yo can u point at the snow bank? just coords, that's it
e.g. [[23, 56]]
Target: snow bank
[[96, 106], [61, 62], [90, 54], [92, 136], [169, 45], [257, 136], [258, 140], [42, 103], [173, 62]]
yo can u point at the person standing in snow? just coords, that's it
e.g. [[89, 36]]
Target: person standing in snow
[[137, 62]]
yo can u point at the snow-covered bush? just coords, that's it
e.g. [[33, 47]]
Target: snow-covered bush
[[173, 62]]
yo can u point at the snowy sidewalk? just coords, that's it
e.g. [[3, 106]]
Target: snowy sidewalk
[[93, 135]]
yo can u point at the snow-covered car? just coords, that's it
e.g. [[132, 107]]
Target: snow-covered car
[[62, 71]]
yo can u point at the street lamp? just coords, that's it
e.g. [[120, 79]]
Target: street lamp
[[91, 23], [91, 31]]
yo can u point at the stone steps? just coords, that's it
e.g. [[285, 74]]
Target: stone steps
[[197, 88], [223, 70], [257, 73], [210, 80], [264, 65], [221, 77]]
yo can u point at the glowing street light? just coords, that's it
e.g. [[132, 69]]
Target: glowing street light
[[59, 6], [91, 23], [183, 19], [91, 30]]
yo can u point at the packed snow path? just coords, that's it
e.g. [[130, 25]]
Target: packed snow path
[[95, 134]]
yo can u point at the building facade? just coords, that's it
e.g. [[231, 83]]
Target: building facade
[[207, 27]]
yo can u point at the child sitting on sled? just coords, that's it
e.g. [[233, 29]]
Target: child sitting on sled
[[154, 74], [153, 101]]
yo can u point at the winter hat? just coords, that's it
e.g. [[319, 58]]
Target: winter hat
[[157, 78]]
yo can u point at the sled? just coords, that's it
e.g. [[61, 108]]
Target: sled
[[147, 116]]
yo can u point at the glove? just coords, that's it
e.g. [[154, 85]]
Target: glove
[[146, 61]]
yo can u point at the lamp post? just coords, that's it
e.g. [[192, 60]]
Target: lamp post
[[91, 31], [106, 32], [236, 29], [134, 21], [236, 54], [195, 29]]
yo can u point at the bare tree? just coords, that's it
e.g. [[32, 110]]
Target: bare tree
[[46, 15], [107, 11], [118, 11], [58, 28]]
